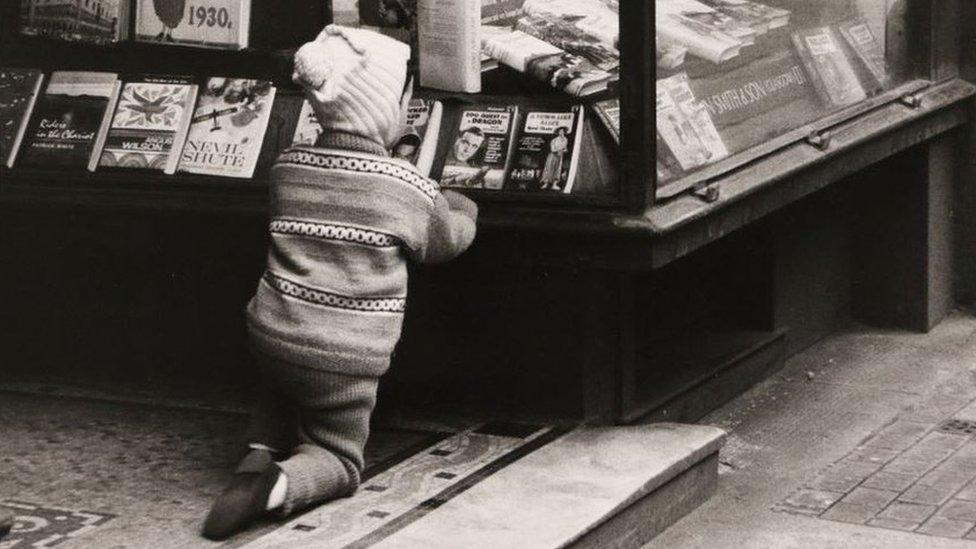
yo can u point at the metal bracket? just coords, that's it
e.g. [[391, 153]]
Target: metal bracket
[[707, 192], [819, 140], [911, 100]]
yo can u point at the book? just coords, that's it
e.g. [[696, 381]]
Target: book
[[828, 67], [450, 44], [19, 89], [701, 40], [69, 120], [480, 147], [544, 62], [228, 127], [685, 125], [706, 15], [868, 54], [219, 24], [394, 18], [99, 21], [760, 17], [150, 124], [568, 37], [608, 111], [547, 151], [422, 126], [593, 17], [501, 12], [307, 129]]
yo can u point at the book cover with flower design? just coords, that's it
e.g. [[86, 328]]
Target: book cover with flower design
[[150, 124]]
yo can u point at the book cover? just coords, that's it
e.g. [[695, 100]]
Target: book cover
[[221, 24], [418, 143], [96, 21], [568, 37], [544, 62], [19, 89], [867, 53], [608, 111], [547, 151], [699, 39], [150, 124], [307, 129], [594, 17], [450, 44], [828, 67], [228, 127], [65, 126], [501, 12], [760, 17], [710, 17], [480, 147], [685, 125]]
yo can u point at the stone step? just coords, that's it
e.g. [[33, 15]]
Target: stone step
[[512, 485]]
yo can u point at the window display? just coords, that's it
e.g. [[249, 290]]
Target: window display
[[732, 74]]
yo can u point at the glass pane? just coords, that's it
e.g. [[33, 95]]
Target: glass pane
[[733, 74]]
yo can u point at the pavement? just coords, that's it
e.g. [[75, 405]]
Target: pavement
[[864, 440]]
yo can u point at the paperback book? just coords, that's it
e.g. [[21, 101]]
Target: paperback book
[[150, 124], [608, 111], [228, 127], [593, 17], [712, 18], [450, 45], [547, 151], [760, 17], [70, 120], [828, 67], [569, 38], [480, 147], [99, 21], [220, 24], [501, 12], [544, 62], [703, 41], [422, 125], [685, 125], [869, 58], [19, 89], [307, 129]]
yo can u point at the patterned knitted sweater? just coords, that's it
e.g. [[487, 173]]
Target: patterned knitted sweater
[[345, 218]]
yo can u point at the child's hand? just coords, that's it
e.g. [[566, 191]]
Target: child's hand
[[461, 203]]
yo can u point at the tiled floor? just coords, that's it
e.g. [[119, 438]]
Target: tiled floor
[[851, 445]]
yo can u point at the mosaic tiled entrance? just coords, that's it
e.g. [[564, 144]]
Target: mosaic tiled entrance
[[916, 474], [36, 526]]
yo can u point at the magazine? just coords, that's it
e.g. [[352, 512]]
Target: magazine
[[544, 62], [69, 120], [221, 24], [701, 40], [150, 124], [685, 125], [450, 45], [479, 149], [418, 142], [101, 22], [569, 38], [756, 15], [593, 17], [716, 20], [501, 12], [19, 89], [228, 127], [547, 151], [828, 67]]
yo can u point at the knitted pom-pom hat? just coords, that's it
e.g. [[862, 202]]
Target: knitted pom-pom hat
[[354, 79]]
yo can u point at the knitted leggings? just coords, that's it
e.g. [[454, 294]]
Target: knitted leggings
[[323, 419]]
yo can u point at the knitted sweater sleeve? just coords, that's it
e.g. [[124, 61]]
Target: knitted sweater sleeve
[[450, 230]]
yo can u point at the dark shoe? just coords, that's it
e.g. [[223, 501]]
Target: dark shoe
[[6, 522], [243, 502]]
